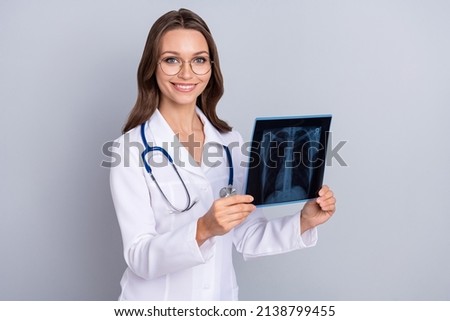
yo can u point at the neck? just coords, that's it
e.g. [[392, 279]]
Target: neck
[[182, 119]]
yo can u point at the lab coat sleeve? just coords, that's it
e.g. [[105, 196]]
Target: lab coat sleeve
[[147, 253], [258, 236]]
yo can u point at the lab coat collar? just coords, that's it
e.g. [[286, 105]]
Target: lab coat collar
[[214, 141], [212, 135]]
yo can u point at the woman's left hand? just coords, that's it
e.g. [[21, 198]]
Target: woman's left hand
[[318, 211]]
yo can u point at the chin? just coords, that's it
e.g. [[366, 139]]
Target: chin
[[186, 100]]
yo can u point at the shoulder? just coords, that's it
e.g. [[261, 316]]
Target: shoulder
[[214, 134], [133, 135], [232, 137], [127, 148]]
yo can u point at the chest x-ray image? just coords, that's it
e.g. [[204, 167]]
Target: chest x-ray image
[[287, 159]]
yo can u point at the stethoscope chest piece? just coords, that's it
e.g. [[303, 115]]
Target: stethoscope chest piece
[[227, 191]]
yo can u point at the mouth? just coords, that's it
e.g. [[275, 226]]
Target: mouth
[[184, 87]]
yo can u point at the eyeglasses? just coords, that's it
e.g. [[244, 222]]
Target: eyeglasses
[[172, 65]]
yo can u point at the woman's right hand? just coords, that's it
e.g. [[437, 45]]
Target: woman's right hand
[[224, 214]]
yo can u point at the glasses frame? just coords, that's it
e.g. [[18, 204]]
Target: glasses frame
[[211, 62]]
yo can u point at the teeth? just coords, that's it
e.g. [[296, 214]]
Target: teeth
[[184, 87]]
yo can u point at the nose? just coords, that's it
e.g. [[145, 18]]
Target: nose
[[186, 70]]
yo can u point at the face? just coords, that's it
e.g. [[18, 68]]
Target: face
[[182, 89]]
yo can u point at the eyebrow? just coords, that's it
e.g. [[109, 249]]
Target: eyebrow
[[178, 54]]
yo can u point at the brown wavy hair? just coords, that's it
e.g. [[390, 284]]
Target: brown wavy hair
[[148, 90]]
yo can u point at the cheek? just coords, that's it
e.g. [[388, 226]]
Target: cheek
[[205, 81], [160, 79]]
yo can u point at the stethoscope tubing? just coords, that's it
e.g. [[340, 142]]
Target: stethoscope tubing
[[224, 192]]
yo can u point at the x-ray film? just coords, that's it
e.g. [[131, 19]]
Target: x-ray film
[[287, 159]]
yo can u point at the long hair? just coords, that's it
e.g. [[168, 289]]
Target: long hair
[[148, 90]]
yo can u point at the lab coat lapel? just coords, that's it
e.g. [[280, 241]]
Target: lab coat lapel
[[213, 142], [160, 133], [212, 135]]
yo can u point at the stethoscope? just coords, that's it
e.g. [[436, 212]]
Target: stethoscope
[[224, 191]]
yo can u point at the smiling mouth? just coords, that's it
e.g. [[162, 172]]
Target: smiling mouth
[[184, 87]]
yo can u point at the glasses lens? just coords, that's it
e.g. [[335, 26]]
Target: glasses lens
[[201, 66], [170, 66]]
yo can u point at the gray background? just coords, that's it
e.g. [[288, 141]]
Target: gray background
[[382, 68]]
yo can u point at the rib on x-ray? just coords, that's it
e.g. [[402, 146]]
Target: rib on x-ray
[[288, 157]]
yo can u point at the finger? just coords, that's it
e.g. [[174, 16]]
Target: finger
[[326, 201], [324, 190], [240, 208], [226, 213], [237, 218], [231, 221], [325, 196], [236, 199], [238, 212], [221, 208], [328, 206]]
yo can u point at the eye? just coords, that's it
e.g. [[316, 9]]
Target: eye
[[199, 60], [171, 60]]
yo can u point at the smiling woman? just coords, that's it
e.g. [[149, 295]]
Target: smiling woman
[[178, 228]]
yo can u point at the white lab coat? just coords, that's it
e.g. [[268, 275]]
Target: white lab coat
[[163, 258]]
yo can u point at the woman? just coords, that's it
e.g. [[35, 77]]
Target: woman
[[177, 231]]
